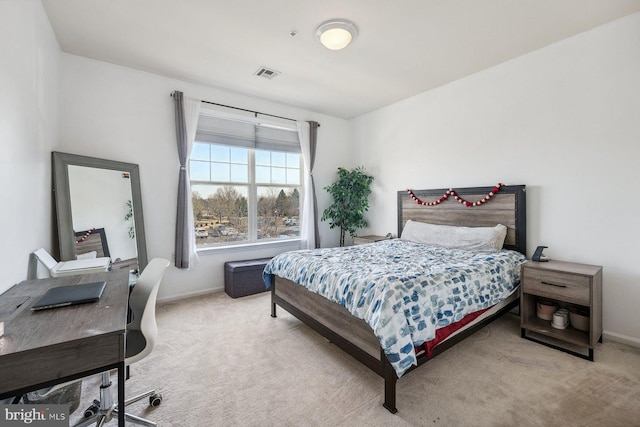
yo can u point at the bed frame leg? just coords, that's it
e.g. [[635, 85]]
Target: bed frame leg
[[390, 379], [273, 298]]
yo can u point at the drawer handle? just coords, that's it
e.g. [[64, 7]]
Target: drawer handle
[[554, 284]]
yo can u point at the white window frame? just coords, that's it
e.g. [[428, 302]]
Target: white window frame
[[252, 187]]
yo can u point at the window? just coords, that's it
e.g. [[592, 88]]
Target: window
[[246, 182]]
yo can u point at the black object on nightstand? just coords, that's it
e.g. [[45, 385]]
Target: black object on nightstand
[[537, 255]]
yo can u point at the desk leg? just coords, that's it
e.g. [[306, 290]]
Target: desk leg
[[121, 380]]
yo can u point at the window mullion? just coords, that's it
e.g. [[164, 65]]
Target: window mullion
[[252, 201]]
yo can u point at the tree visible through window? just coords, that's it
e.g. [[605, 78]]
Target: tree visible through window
[[243, 194]]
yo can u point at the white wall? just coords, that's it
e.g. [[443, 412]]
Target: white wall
[[29, 57], [563, 120], [122, 114]]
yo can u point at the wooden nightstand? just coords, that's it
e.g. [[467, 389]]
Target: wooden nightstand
[[361, 240], [570, 286]]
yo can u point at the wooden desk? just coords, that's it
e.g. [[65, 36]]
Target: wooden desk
[[43, 348]]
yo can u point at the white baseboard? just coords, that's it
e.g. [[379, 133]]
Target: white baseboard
[[622, 339], [189, 295]]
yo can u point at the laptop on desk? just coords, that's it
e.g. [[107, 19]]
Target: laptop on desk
[[70, 295]]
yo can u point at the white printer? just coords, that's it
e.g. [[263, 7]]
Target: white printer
[[74, 267]]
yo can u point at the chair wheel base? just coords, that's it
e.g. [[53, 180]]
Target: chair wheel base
[[155, 399], [92, 410]]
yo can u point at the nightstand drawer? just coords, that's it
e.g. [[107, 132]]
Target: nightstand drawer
[[568, 287]]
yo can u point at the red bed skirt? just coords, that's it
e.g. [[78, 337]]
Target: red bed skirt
[[444, 332]]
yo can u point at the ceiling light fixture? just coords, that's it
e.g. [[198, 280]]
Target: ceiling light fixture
[[336, 34]]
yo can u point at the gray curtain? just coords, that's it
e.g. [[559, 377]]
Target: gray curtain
[[313, 140], [182, 217]]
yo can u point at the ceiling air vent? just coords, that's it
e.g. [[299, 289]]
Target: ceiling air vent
[[266, 73]]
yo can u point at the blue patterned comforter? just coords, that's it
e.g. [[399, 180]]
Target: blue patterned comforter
[[403, 290]]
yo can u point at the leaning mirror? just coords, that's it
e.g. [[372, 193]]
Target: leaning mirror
[[99, 210]]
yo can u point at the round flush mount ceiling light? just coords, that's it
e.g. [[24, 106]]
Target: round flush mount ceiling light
[[336, 34]]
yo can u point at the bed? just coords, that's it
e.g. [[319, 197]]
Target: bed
[[355, 316]]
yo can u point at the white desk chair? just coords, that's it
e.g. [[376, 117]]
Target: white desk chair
[[141, 337], [71, 268]]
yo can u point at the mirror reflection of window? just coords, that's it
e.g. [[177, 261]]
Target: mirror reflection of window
[[101, 198]]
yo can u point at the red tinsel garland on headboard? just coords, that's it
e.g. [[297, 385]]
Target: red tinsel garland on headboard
[[87, 234], [450, 192]]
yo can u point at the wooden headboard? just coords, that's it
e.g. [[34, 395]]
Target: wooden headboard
[[92, 240], [507, 206]]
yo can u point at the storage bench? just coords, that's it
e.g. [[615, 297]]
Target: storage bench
[[242, 278]]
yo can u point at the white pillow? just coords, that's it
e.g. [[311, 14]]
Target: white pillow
[[448, 236]]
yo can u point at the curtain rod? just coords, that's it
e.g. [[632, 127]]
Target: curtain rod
[[244, 109]]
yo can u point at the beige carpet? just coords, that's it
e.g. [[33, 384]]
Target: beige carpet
[[226, 362]]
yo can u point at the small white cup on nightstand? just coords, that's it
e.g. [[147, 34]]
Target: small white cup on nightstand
[[560, 319]]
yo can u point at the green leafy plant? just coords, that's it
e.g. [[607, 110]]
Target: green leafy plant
[[350, 201], [129, 217]]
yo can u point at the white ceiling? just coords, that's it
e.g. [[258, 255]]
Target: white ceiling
[[404, 47]]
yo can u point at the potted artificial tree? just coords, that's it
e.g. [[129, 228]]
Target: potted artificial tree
[[350, 201]]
